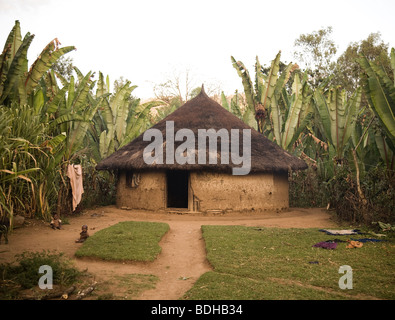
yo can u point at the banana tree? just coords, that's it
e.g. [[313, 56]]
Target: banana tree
[[238, 108], [380, 93], [17, 81], [281, 116], [337, 117], [74, 109], [268, 87], [289, 125], [119, 118]]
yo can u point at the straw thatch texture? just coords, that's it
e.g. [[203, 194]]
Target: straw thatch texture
[[204, 113]]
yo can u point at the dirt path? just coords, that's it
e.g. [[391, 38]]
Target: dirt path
[[183, 257]]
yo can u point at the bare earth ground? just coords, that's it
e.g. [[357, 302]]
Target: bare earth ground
[[183, 257]]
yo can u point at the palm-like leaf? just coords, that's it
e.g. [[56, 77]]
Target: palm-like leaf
[[380, 93], [337, 116], [46, 59]]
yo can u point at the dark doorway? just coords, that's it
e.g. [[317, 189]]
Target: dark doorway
[[177, 188]]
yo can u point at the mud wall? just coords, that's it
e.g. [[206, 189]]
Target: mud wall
[[207, 191], [255, 192], [144, 190]]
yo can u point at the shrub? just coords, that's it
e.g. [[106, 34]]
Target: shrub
[[307, 189], [25, 271]]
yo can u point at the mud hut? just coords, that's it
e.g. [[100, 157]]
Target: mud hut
[[169, 168]]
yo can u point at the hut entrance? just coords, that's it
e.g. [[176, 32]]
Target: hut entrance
[[177, 188]]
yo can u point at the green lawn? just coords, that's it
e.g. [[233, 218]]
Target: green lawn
[[271, 263], [129, 240]]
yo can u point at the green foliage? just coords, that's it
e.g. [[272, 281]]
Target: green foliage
[[46, 126], [280, 115], [347, 72], [316, 51], [24, 271], [380, 93], [337, 116], [27, 158], [239, 108], [101, 189], [308, 189], [119, 119], [17, 82], [329, 128], [378, 185]]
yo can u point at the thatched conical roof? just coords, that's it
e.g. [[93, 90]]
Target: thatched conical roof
[[204, 113]]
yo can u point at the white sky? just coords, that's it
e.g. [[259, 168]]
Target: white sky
[[145, 41]]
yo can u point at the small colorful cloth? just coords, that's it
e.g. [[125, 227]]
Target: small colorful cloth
[[326, 245]]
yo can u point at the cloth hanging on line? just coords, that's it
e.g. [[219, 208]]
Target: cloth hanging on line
[[74, 172]]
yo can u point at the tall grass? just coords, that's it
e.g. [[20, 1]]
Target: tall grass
[[27, 176]]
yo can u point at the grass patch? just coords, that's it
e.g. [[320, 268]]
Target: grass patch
[[273, 263], [129, 240]]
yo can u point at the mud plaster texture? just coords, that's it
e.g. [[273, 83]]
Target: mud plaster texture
[[208, 191]]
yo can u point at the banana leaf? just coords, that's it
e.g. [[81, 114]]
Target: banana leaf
[[225, 103], [11, 46], [70, 94], [17, 67], [120, 109], [45, 60], [137, 121], [380, 95], [234, 106], [57, 100], [106, 144], [349, 121], [102, 86], [14, 39], [292, 120], [4, 58], [270, 82], [77, 133], [246, 81], [38, 101], [81, 94], [385, 151]]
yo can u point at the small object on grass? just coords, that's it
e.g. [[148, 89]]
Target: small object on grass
[[340, 232], [313, 262], [354, 244], [367, 240], [326, 245]]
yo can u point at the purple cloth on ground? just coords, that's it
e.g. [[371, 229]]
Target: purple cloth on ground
[[326, 245]]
